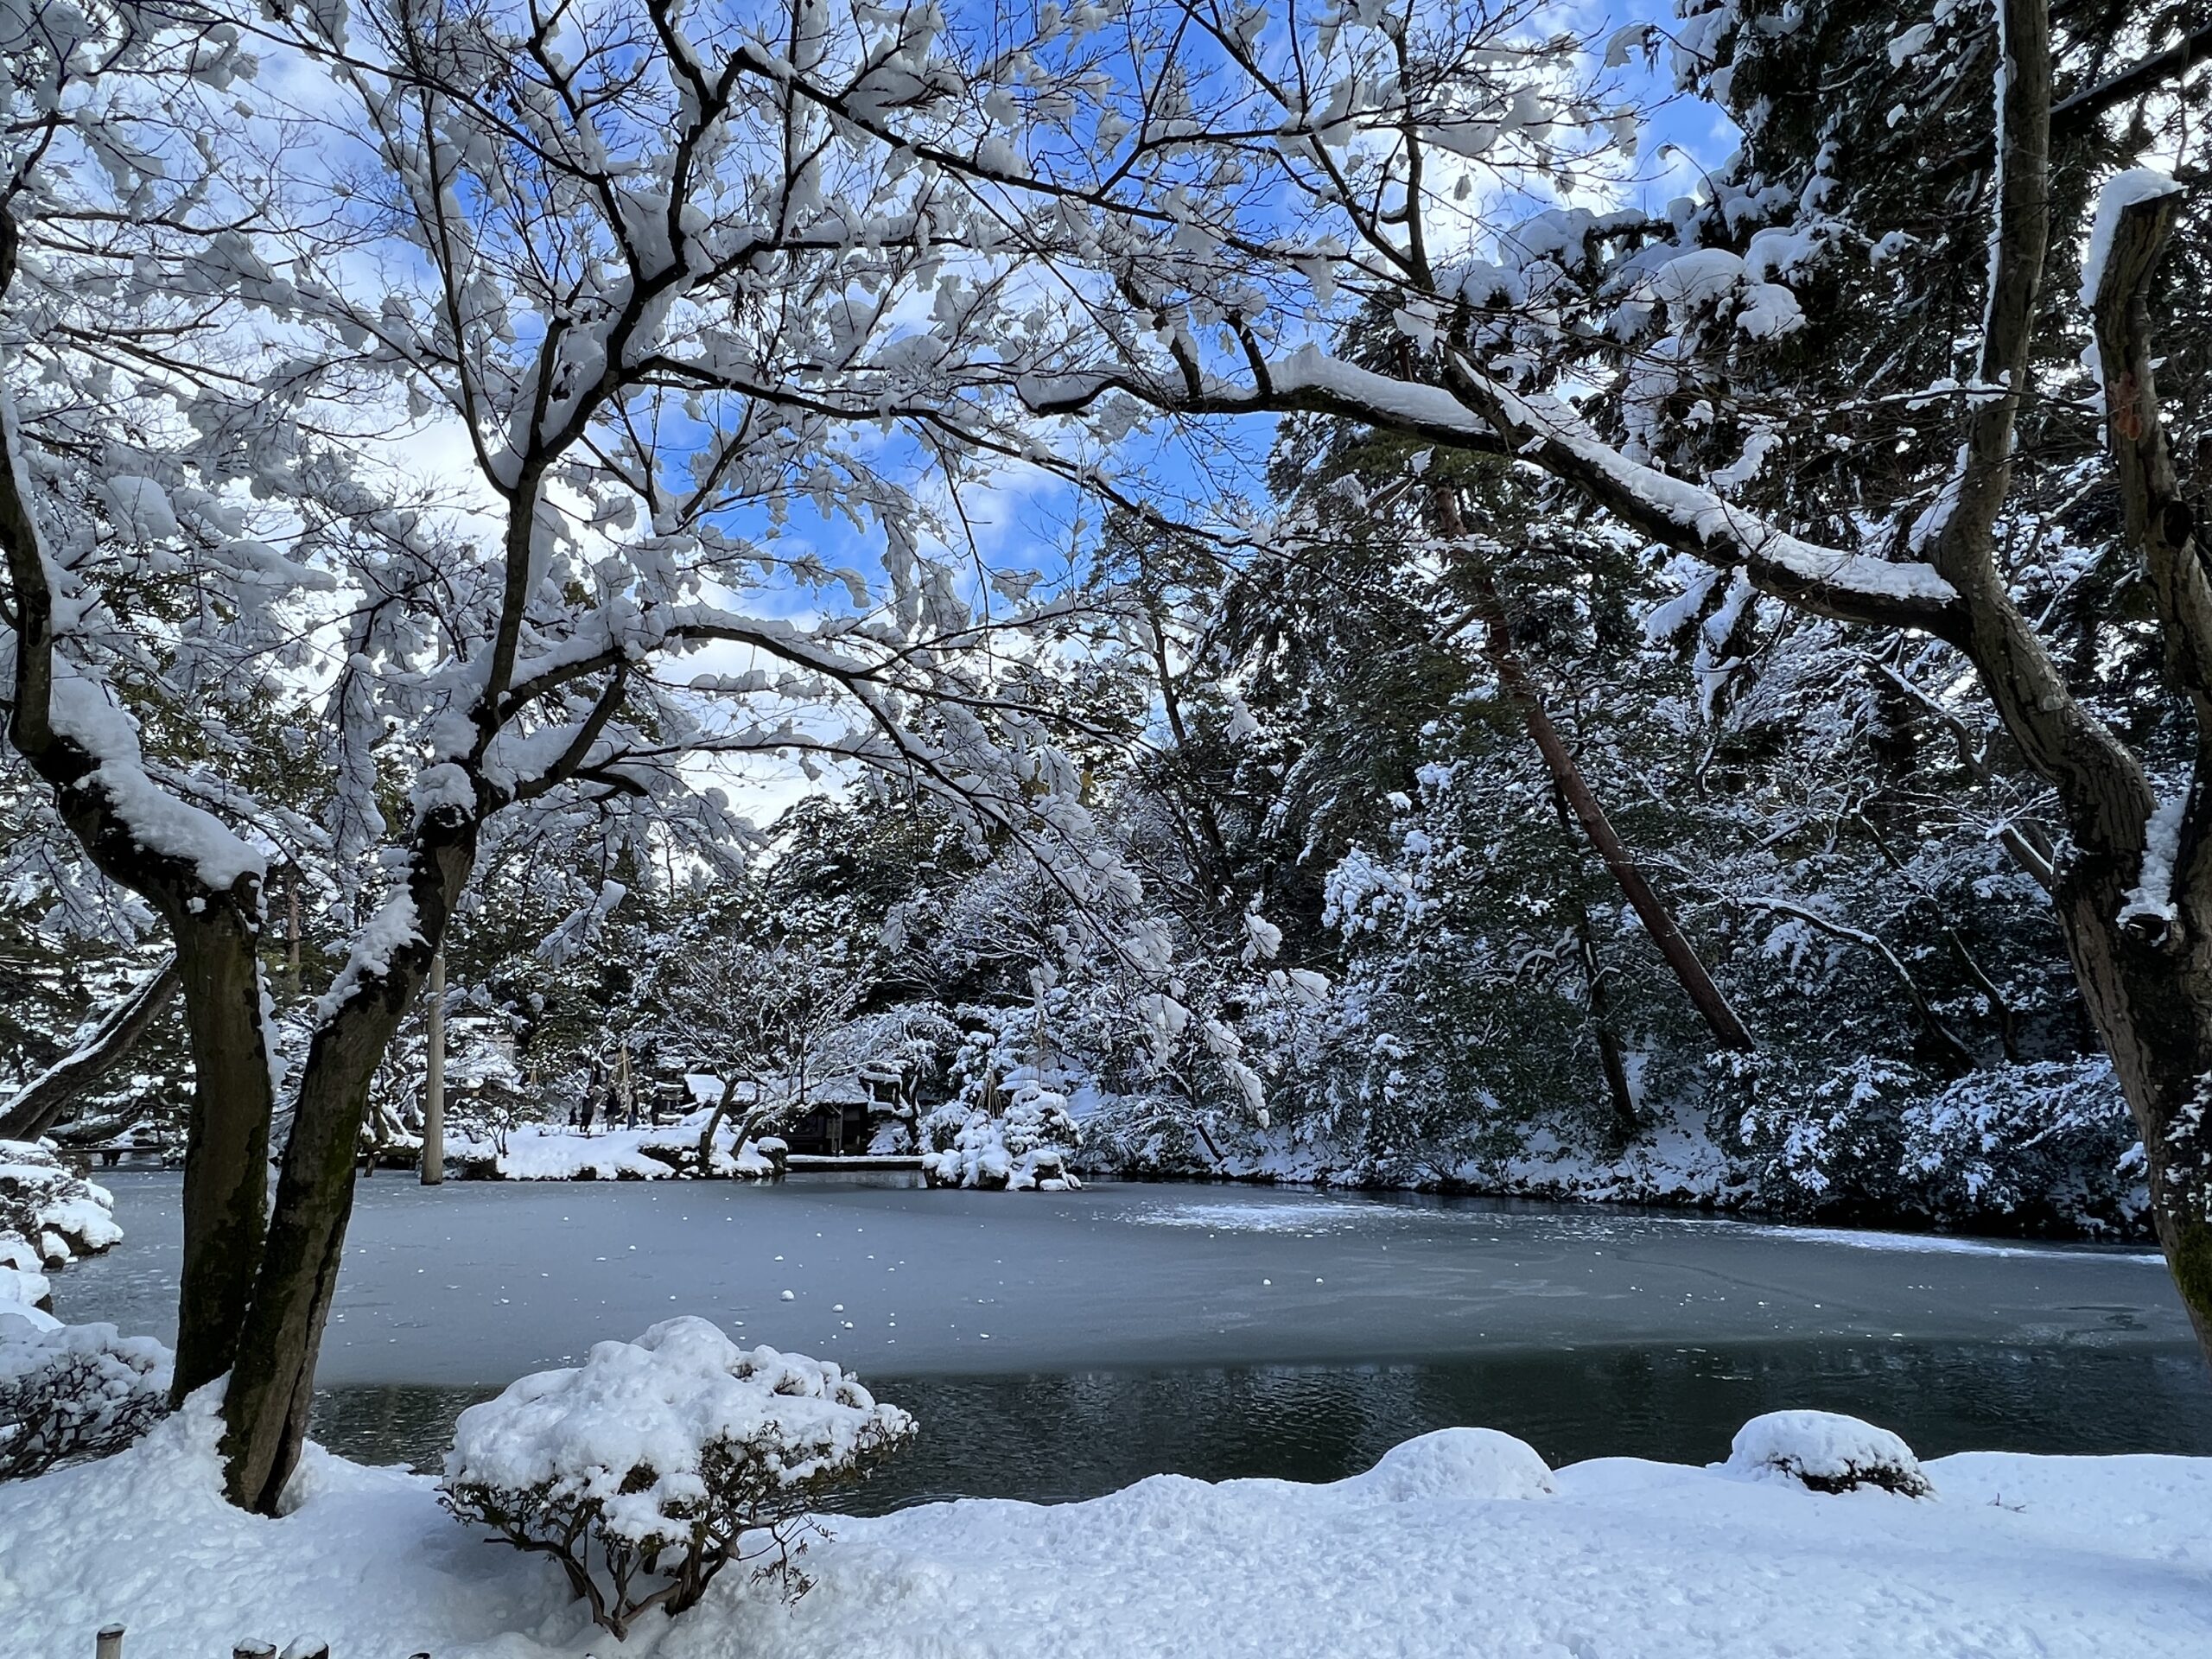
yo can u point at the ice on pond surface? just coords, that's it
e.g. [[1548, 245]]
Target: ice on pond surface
[[1133, 1328]]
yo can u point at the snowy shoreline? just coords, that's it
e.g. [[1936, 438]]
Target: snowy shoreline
[[1648, 1178], [1458, 1543]]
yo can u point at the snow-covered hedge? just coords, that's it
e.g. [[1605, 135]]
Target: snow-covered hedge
[[1028, 1147], [1825, 1451], [55, 1213], [640, 1469], [73, 1391]]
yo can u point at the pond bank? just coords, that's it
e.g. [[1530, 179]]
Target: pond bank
[[1622, 1557]]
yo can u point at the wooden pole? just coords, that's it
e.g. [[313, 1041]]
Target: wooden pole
[[433, 1086]]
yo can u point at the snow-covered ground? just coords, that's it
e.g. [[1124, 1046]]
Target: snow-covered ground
[[1452, 1546], [548, 1153]]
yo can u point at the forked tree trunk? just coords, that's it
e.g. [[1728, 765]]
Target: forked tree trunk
[[272, 1381], [714, 1126]]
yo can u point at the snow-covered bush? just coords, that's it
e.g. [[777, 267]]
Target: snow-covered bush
[[1024, 1147], [2050, 1145], [641, 1470], [74, 1391], [1825, 1452], [57, 1213]]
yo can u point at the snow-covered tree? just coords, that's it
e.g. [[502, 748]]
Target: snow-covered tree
[[1389, 154], [662, 300]]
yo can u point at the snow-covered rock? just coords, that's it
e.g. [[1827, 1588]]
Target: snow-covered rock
[[1458, 1463], [54, 1213], [1825, 1452], [22, 1287]]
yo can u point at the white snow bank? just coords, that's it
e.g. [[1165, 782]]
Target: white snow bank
[[1626, 1560], [632, 1430], [1825, 1451], [367, 1561]]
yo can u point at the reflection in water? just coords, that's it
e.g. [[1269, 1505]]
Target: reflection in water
[[1084, 1432]]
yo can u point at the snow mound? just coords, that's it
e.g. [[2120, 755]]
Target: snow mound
[[18, 1318], [22, 1284], [549, 1153], [1825, 1452], [636, 1429], [1457, 1463], [44, 1206]]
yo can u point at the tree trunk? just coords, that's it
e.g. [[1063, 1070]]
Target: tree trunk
[[714, 1124], [226, 1140], [1626, 1125], [272, 1382], [1658, 921], [434, 1081], [40, 1105], [2155, 1014]]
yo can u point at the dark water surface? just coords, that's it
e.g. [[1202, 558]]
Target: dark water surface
[[1059, 1346]]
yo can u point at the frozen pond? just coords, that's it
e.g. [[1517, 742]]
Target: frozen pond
[[1062, 1346]]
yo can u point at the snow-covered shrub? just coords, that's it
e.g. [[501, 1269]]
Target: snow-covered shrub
[[1458, 1463], [543, 1153], [2050, 1145], [1825, 1143], [74, 1391], [1825, 1452], [1025, 1148], [640, 1469], [58, 1213]]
